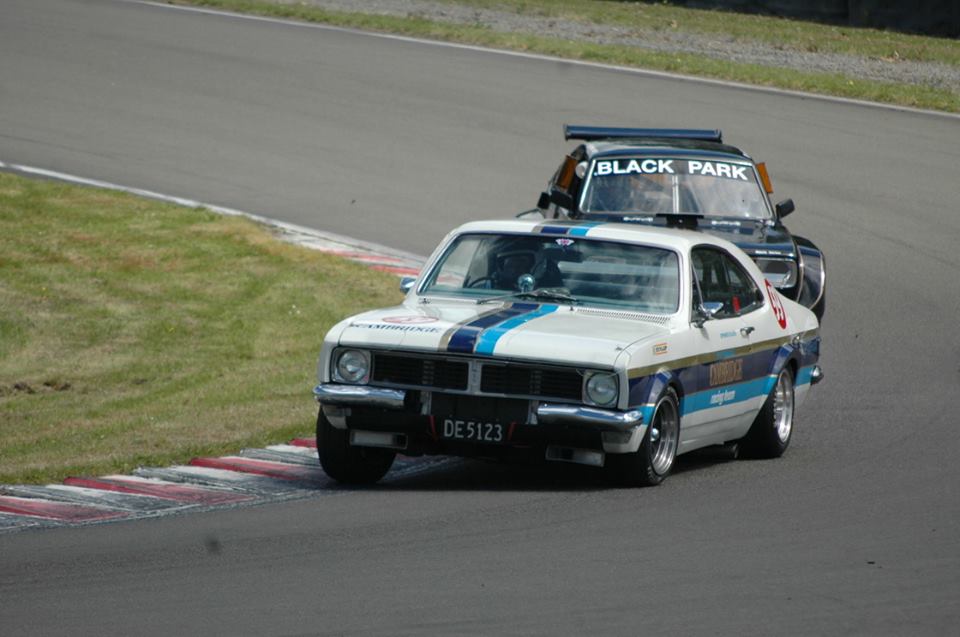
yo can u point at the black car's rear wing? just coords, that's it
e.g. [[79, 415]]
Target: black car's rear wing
[[590, 133]]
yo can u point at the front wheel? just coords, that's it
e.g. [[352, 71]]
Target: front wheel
[[770, 433], [653, 461], [345, 463]]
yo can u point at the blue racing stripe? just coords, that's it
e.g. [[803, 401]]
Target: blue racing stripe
[[803, 376], [465, 338], [554, 229], [727, 395], [583, 229], [488, 339]]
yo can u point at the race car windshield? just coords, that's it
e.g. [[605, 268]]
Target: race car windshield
[[589, 272], [653, 186]]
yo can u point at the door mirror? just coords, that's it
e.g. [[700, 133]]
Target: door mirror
[[406, 283], [785, 207], [544, 201], [706, 312]]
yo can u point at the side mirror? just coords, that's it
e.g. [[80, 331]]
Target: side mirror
[[785, 207], [406, 283], [706, 312], [544, 201], [562, 199]]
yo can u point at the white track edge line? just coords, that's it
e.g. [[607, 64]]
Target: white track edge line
[[550, 58], [233, 212]]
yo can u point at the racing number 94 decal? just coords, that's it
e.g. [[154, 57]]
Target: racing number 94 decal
[[777, 306]]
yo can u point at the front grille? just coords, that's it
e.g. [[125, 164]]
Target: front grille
[[420, 372], [507, 379], [531, 381]]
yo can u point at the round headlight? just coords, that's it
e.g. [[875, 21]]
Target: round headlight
[[601, 389], [353, 366]]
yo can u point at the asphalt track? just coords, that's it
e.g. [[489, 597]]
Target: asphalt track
[[855, 531]]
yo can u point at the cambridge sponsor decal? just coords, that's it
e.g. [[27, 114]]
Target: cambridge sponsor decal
[[639, 166], [726, 372], [395, 327]]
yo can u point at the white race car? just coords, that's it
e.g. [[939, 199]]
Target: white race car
[[603, 344]]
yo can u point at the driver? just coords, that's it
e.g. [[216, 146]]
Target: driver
[[511, 268]]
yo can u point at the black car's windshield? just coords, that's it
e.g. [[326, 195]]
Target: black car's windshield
[[645, 185], [563, 269]]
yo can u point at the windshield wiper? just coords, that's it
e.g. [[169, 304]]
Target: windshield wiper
[[542, 294]]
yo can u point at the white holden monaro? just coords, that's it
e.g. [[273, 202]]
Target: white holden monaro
[[610, 345]]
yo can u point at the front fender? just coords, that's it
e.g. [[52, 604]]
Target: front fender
[[645, 391], [812, 272]]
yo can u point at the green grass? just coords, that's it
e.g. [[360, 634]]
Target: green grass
[[783, 33], [789, 34], [139, 333]]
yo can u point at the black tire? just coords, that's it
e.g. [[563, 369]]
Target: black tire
[[652, 462], [346, 463], [770, 433]]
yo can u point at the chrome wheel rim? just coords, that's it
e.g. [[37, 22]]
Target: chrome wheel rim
[[783, 406], [664, 434]]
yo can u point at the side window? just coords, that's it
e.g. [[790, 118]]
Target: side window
[[722, 280], [746, 295]]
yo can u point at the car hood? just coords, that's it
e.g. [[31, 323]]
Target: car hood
[[753, 238], [522, 331], [756, 239]]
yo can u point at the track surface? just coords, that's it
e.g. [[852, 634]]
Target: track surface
[[856, 530]]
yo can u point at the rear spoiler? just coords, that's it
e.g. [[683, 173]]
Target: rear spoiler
[[590, 133]]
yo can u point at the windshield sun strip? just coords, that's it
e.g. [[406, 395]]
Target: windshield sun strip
[[585, 187]]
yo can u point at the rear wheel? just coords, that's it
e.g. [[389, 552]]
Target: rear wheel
[[653, 461], [770, 434], [346, 463]]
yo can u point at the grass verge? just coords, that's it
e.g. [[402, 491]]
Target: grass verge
[[139, 333], [783, 33]]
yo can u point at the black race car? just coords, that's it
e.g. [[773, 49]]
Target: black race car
[[687, 178]]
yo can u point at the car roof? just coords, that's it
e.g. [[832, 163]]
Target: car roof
[[654, 145], [678, 239]]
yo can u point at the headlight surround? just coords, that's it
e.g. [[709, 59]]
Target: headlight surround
[[782, 273], [352, 366], [601, 389]]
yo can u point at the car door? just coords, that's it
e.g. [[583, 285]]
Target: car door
[[722, 402]]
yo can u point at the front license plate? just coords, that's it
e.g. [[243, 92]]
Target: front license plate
[[473, 430]]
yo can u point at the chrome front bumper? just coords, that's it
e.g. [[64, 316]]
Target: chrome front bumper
[[359, 395], [551, 414], [602, 419]]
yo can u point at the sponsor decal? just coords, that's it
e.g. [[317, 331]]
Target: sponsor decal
[[563, 242], [727, 334], [634, 167], [641, 166], [409, 320], [717, 169], [726, 372], [393, 327], [778, 311], [722, 397], [660, 348]]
